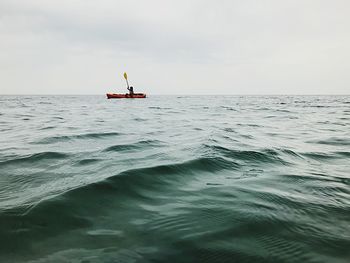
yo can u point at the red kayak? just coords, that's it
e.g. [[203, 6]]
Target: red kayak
[[126, 96]]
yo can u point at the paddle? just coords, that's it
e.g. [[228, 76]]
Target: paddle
[[126, 78]]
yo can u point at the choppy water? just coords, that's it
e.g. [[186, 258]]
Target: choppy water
[[175, 179]]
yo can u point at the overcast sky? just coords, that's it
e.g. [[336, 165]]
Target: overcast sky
[[175, 47]]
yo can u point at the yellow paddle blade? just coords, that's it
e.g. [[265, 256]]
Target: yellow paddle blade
[[125, 75]]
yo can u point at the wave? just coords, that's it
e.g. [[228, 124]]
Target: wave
[[227, 108], [88, 161], [154, 201], [79, 208], [159, 108], [321, 156], [266, 155], [62, 138], [36, 157], [160, 172], [47, 128], [133, 146], [333, 141], [146, 176], [345, 154]]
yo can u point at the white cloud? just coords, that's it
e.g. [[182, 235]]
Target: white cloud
[[237, 47]]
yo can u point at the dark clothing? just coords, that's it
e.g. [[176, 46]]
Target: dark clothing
[[131, 90]]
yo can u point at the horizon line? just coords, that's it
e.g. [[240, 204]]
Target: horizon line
[[208, 94]]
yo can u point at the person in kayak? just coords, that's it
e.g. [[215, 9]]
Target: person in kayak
[[131, 91]]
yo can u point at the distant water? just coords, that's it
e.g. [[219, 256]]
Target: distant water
[[175, 179]]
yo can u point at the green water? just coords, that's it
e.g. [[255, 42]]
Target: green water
[[175, 179]]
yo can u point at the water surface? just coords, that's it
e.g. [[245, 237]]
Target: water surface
[[175, 179]]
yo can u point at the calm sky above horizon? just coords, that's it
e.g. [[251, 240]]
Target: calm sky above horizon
[[175, 47]]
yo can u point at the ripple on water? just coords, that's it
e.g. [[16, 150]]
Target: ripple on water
[[34, 158], [335, 141], [63, 138], [141, 145]]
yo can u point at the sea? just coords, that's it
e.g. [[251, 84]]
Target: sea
[[175, 179]]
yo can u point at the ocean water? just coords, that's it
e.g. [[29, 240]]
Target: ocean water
[[175, 179]]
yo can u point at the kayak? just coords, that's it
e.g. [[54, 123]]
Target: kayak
[[126, 96]]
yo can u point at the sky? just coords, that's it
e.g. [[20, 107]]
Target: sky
[[175, 47]]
